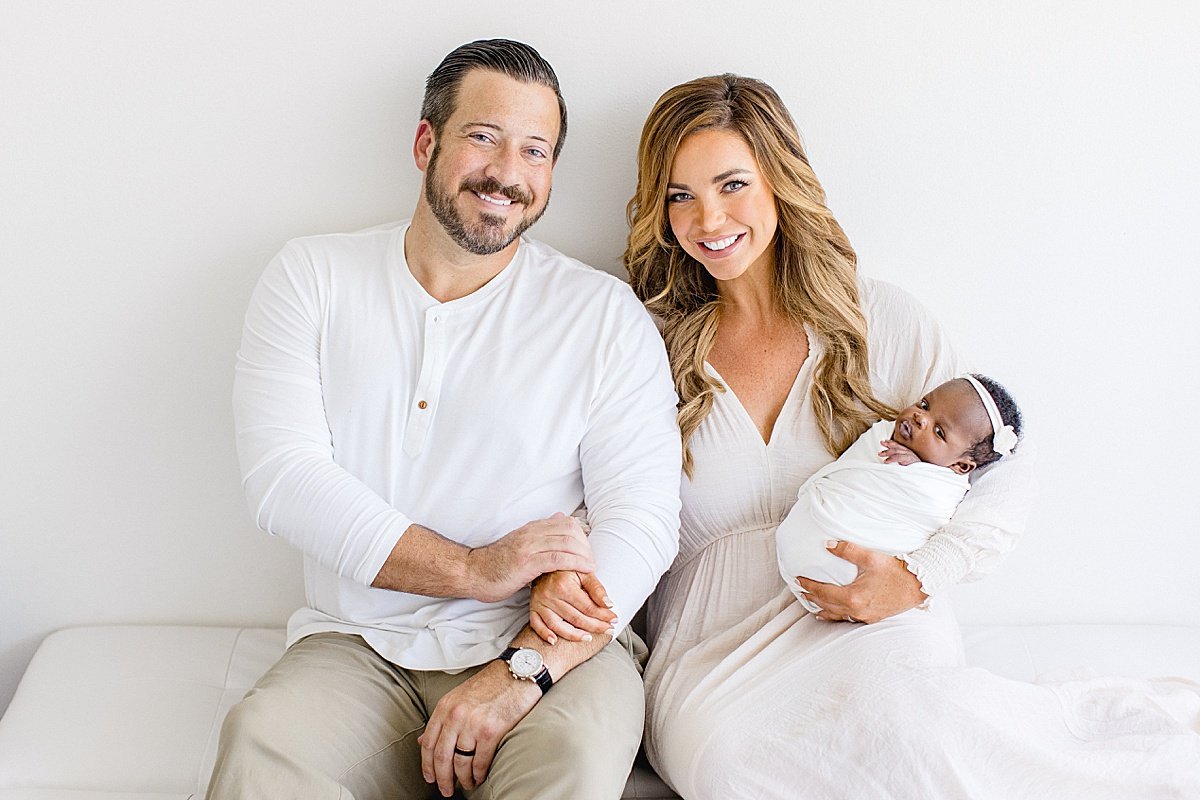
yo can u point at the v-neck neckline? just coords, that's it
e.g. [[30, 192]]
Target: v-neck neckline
[[813, 350]]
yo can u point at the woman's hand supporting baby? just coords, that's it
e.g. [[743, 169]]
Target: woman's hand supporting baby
[[884, 587]]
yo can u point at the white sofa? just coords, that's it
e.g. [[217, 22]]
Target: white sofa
[[133, 713]]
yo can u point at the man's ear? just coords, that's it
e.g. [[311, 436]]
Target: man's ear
[[963, 465], [424, 144]]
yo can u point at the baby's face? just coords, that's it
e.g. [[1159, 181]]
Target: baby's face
[[943, 424]]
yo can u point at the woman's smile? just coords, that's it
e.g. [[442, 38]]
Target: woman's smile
[[721, 248]]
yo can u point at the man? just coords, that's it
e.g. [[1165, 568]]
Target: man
[[408, 398]]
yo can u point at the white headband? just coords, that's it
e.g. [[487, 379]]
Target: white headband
[[1004, 438]]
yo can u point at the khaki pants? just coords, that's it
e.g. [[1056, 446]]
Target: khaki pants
[[332, 719]]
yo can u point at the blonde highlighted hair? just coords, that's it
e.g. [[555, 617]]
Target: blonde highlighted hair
[[815, 274]]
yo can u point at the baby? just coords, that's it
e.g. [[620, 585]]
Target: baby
[[893, 500]]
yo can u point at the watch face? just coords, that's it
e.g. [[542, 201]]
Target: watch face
[[525, 662]]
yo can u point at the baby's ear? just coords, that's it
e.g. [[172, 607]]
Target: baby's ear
[[963, 466]]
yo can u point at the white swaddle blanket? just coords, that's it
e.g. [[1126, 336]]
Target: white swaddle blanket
[[860, 499]]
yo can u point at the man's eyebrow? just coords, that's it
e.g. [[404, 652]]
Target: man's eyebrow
[[494, 127]]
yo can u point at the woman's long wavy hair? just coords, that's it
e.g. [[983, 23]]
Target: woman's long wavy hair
[[815, 275]]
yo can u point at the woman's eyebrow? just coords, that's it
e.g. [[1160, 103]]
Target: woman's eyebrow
[[727, 174]]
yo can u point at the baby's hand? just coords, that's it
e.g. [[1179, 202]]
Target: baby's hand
[[895, 453], [573, 605]]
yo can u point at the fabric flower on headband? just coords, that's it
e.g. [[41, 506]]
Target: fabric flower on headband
[[1004, 440]]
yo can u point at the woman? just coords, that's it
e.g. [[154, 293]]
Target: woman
[[781, 357]]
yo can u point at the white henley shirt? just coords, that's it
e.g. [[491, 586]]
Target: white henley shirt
[[363, 405]]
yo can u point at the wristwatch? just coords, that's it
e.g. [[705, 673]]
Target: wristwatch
[[525, 664]]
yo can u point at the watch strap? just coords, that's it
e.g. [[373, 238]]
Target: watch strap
[[543, 679]]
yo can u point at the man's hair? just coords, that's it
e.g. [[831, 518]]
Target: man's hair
[[514, 59], [981, 452]]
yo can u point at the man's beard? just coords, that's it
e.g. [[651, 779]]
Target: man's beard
[[488, 235]]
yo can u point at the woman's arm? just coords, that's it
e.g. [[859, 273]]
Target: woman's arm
[[985, 526], [910, 354]]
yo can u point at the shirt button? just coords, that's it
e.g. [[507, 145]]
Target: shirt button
[[422, 405]]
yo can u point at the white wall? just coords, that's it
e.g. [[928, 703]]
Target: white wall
[[1030, 173]]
